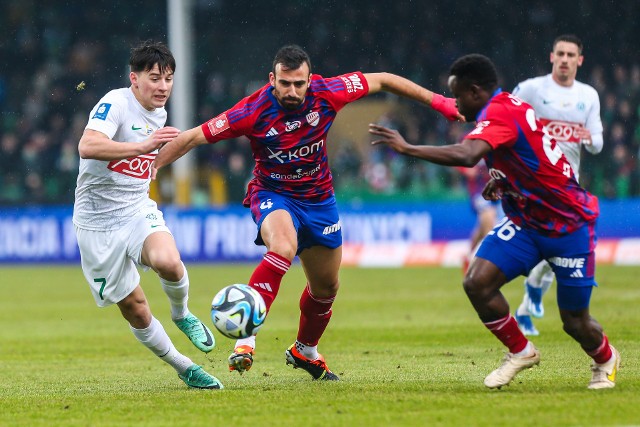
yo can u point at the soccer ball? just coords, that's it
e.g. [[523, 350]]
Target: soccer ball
[[238, 311]]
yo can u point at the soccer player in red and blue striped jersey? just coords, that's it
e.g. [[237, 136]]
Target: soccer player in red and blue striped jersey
[[291, 195], [548, 216]]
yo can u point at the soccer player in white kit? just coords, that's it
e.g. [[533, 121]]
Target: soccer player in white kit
[[570, 110], [118, 226]]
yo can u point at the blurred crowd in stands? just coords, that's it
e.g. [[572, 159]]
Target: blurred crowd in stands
[[59, 58]]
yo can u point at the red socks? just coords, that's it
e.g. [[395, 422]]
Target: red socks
[[267, 276], [603, 353], [507, 331], [315, 314]]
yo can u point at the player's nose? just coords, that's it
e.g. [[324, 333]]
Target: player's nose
[[291, 92]]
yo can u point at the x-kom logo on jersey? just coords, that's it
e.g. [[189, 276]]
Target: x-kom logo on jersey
[[296, 153]]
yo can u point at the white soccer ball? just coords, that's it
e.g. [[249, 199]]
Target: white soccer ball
[[238, 311]]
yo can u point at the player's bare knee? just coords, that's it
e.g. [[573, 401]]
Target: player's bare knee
[[169, 268], [284, 249], [471, 287], [325, 289], [140, 320], [573, 326], [136, 311]]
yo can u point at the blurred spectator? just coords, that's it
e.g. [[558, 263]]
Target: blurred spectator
[[50, 48], [237, 177]]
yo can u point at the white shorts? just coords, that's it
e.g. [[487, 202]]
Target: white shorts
[[109, 258]]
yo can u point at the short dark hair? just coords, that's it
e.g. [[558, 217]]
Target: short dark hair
[[569, 38], [291, 57], [475, 69], [149, 53]]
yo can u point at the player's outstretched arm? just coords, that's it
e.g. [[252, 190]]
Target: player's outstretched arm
[[98, 146], [404, 87], [467, 153], [180, 146]]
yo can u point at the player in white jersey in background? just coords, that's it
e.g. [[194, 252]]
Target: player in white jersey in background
[[570, 110], [119, 226]]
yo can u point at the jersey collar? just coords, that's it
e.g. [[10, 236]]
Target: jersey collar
[[482, 112]]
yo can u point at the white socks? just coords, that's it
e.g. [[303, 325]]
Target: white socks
[[310, 352], [155, 338], [250, 341], [527, 351], [178, 293]]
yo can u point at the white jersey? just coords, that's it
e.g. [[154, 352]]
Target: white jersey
[[563, 110], [109, 193]]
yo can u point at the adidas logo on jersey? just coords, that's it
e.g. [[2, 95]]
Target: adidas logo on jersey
[[272, 132], [576, 274]]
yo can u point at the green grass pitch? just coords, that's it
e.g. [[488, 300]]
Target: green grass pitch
[[406, 343]]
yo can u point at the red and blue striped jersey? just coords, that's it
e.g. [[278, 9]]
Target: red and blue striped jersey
[[539, 187], [290, 146]]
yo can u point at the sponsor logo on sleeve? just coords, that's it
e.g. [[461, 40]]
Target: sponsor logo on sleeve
[[479, 127], [102, 111], [352, 83], [218, 124]]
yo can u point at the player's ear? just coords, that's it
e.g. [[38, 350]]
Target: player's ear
[[580, 59], [476, 90], [551, 57], [272, 79], [133, 78]]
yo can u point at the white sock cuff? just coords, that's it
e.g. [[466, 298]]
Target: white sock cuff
[[148, 332], [250, 341], [179, 283]]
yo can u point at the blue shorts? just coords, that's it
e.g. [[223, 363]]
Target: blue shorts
[[316, 223], [515, 251]]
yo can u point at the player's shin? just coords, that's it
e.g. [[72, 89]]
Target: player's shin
[[156, 339], [315, 314], [178, 294], [507, 331], [602, 353]]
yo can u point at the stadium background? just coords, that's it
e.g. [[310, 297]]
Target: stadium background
[[49, 48]]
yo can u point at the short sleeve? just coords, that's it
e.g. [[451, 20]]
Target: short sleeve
[[343, 89], [227, 125], [106, 115], [496, 128]]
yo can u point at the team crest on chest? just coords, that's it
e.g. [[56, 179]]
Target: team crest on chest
[[313, 118]]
